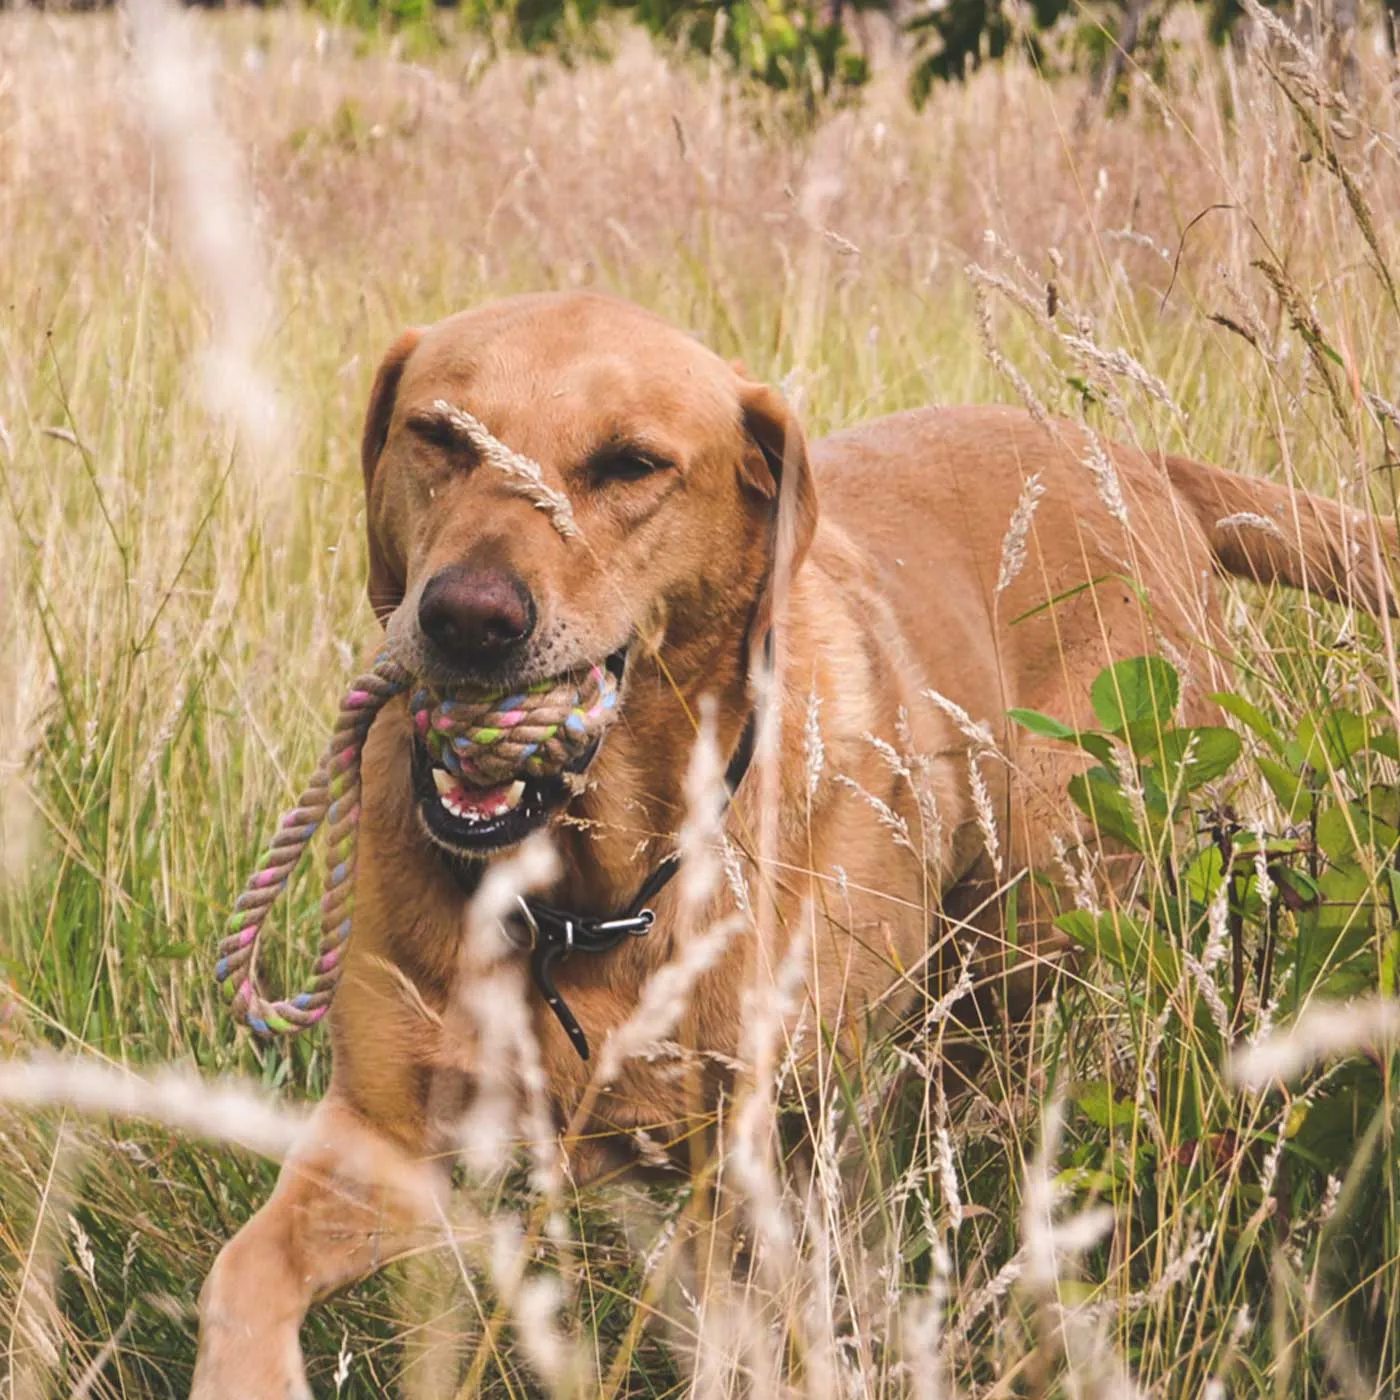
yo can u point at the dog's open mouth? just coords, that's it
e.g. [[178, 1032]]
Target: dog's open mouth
[[469, 818]]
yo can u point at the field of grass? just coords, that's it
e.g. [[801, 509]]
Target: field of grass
[[213, 225]]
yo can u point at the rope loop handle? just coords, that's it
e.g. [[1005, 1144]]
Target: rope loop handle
[[332, 798]]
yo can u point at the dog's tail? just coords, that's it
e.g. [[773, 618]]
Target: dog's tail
[[1268, 533]]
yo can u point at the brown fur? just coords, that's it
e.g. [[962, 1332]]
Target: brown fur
[[890, 591]]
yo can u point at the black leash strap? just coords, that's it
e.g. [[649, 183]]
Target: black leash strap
[[555, 933]]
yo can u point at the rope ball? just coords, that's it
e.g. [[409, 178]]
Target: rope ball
[[492, 739]]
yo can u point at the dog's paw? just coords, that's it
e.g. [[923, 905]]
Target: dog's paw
[[233, 1364], [249, 1317]]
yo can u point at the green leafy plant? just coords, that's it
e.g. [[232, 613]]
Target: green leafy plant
[[1230, 925], [953, 38], [798, 47], [789, 46]]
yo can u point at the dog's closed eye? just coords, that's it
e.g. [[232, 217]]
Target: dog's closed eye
[[624, 462], [437, 430]]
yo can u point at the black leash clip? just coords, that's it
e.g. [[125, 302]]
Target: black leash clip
[[555, 933]]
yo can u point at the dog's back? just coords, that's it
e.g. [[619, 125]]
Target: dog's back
[[1020, 558]]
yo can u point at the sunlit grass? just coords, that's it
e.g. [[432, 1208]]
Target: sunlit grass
[[181, 607]]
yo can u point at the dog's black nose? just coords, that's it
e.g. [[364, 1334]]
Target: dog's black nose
[[475, 614]]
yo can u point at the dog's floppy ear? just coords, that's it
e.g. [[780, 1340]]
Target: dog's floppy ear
[[386, 573], [775, 466]]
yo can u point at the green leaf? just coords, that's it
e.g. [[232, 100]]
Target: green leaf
[[1250, 715], [1330, 740], [1043, 725], [1390, 948], [1383, 801], [1385, 744], [1300, 889], [1194, 757], [1329, 1132], [1144, 739], [1334, 932], [1082, 387], [1096, 1102], [1203, 875], [1100, 745], [1248, 843], [1050, 603], [1143, 688], [172, 950], [1333, 355], [1097, 794], [1342, 828], [1286, 785], [1334, 834], [1134, 948], [1048, 728], [1154, 795]]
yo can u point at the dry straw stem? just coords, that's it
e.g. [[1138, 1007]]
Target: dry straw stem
[[1035, 406], [218, 1110], [947, 1163], [1202, 970], [1119, 364], [511, 1101], [1303, 84], [767, 1008], [1052, 1249], [214, 214], [1013, 546], [35, 1335], [884, 813], [813, 747], [980, 740], [666, 997], [1306, 324], [1322, 1030], [1249, 520], [523, 474], [706, 801]]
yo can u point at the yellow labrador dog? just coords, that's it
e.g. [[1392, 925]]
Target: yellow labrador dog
[[913, 579]]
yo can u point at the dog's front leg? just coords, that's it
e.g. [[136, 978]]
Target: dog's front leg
[[347, 1201]]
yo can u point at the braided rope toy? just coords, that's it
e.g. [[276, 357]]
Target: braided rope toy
[[482, 738], [493, 740]]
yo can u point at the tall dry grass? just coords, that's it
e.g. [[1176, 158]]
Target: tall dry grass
[[198, 283]]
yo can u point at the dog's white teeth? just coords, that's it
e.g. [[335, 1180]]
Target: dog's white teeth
[[469, 804]]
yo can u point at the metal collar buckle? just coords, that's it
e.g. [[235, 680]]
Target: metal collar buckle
[[555, 934], [532, 928]]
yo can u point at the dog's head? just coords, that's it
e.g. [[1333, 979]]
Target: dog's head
[[631, 504]]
